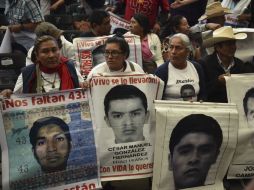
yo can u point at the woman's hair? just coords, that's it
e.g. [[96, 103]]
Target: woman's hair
[[171, 26], [143, 22], [124, 46], [185, 39], [37, 45]]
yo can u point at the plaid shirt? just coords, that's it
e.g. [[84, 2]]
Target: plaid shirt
[[24, 11]]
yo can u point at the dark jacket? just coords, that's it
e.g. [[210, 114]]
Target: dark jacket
[[29, 72], [216, 91], [162, 73]]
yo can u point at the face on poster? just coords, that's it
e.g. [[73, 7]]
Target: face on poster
[[194, 146], [192, 150], [43, 147], [126, 113]]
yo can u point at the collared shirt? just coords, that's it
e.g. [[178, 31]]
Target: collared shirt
[[24, 11], [226, 69]]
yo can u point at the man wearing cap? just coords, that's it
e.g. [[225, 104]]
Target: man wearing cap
[[46, 28], [221, 62]]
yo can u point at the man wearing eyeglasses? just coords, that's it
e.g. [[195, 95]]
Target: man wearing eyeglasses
[[116, 52]]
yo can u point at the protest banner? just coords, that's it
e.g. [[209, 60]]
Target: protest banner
[[47, 142], [89, 51], [194, 144], [123, 107], [118, 22], [240, 90]]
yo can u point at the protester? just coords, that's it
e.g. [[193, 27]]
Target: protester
[[186, 8], [179, 24], [46, 28], [99, 23], [51, 72], [116, 52], [148, 8], [194, 146], [23, 17], [215, 13], [179, 72], [51, 143], [150, 42], [222, 62], [127, 122]]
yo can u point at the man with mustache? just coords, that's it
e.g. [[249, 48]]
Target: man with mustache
[[194, 146], [51, 143], [126, 113]]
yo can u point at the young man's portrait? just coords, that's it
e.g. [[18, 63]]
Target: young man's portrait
[[248, 106], [126, 113], [194, 146], [51, 143]]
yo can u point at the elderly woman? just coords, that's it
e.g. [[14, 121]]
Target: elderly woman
[[51, 72], [150, 42], [183, 80], [179, 24]]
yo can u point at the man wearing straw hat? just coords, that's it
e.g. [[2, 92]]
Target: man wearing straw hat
[[221, 62], [215, 13]]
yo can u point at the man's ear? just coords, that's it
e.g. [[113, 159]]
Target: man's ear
[[107, 121], [169, 162]]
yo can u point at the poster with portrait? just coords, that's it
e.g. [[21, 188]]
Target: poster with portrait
[[89, 51], [118, 23], [48, 142], [123, 107], [194, 144], [240, 90]]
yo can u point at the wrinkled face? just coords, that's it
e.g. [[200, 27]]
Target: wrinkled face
[[104, 28], [52, 148], [48, 54], [178, 52], [114, 56], [135, 28], [183, 27], [227, 48], [192, 158], [250, 112], [127, 118]]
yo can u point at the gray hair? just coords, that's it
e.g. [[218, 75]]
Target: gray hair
[[185, 40]]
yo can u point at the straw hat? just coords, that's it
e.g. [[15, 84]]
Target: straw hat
[[213, 10], [223, 34], [46, 28]]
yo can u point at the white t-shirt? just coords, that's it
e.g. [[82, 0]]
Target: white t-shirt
[[183, 84]]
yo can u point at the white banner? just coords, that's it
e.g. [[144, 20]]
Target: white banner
[[118, 22], [194, 144], [48, 142], [123, 107], [240, 90]]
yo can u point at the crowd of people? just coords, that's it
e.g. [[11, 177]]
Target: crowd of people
[[174, 35]]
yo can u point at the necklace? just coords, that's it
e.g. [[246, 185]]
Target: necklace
[[52, 83]]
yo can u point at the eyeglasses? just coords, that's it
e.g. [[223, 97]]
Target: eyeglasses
[[112, 53]]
